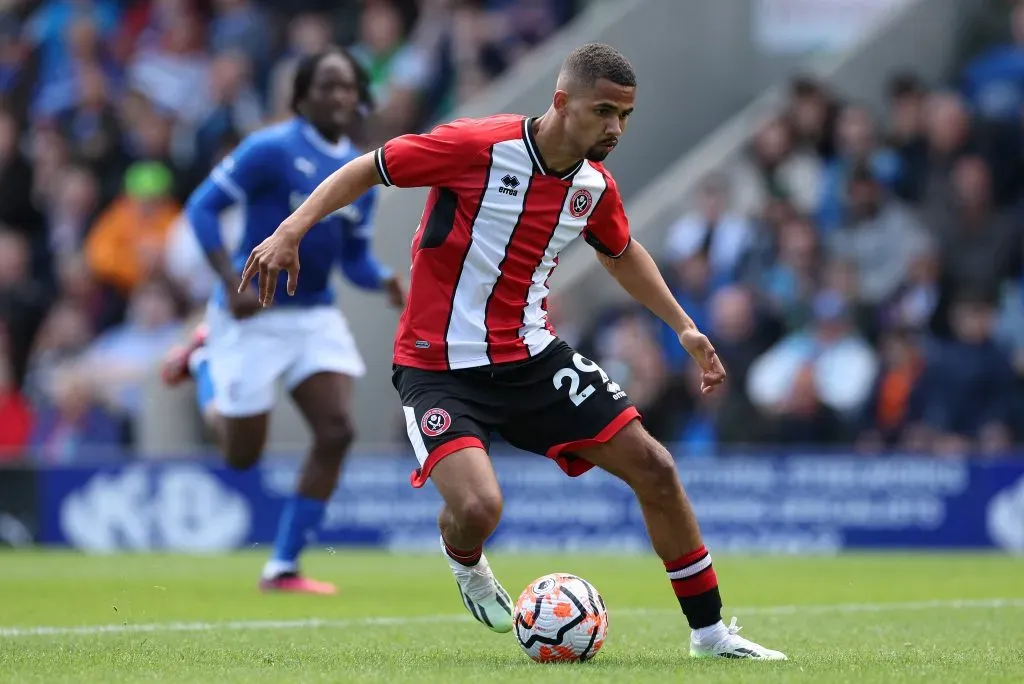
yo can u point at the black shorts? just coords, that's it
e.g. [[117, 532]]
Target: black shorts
[[551, 405]]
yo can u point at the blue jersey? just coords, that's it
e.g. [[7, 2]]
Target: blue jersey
[[271, 173]]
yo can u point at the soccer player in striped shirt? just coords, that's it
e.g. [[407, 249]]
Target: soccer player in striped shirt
[[475, 352]]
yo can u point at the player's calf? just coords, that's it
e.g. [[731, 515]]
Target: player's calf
[[648, 468], [321, 398], [470, 518], [472, 510], [331, 442]]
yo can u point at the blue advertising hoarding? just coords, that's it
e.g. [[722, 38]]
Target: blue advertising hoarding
[[796, 504]]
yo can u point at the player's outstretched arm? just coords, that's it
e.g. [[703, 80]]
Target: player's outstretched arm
[[280, 251], [203, 211], [638, 274]]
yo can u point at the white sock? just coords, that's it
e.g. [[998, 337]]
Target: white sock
[[276, 568], [710, 635]]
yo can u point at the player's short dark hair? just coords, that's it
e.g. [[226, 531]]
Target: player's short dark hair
[[306, 69], [588, 63]]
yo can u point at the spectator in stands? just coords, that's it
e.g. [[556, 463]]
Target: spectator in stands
[[741, 335], [69, 35], [93, 130], [61, 341], [77, 284], [965, 394], [812, 114], [948, 128], [979, 244], [916, 303], [73, 425], [398, 71], [692, 284], [73, 210], [239, 26], [889, 410], [169, 62], [49, 155], [713, 228], [993, 82], [628, 346], [17, 70], [629, 352], [1009, 328], [986, 26], [126, 246], [856, 145], [23, 302], [880, 238], [121, 359], [17, 208], [307, 34], [775, 170], [906, 134], [814, 382], [789, 283]]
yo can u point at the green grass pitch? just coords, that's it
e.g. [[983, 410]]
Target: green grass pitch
[[156, 618]]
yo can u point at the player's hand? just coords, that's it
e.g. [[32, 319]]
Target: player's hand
[[279, 252], [395, 289], [700, 349], [243, 304]]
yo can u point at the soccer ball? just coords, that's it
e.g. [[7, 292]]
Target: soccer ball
[[560, 618]]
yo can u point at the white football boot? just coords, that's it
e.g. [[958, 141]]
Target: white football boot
[[483, 597], [729, 644]]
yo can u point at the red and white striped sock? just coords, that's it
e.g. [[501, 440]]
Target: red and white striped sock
[[696, 586]]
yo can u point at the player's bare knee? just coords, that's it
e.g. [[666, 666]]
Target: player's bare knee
[[242, 440], [652, 471], [334, 437], [478, 512]]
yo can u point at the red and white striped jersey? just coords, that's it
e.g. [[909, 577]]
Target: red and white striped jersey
[[494, 223]]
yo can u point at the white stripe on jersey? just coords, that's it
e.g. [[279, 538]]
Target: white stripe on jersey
[[491, 232], [535, 335]]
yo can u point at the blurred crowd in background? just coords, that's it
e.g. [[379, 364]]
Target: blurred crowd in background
[[859, 271], [112, 112]]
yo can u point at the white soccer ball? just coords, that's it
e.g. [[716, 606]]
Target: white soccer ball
[[560, 618]]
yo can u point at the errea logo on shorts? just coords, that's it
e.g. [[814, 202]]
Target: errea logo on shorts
[[435, 422]]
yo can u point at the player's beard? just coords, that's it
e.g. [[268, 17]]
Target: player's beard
[[600, 151]]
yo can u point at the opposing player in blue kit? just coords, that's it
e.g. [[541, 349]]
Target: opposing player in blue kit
[[241, 351]]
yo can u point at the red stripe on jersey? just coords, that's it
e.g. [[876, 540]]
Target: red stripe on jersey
[[436, 269], [607, 228], [506, 306]]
